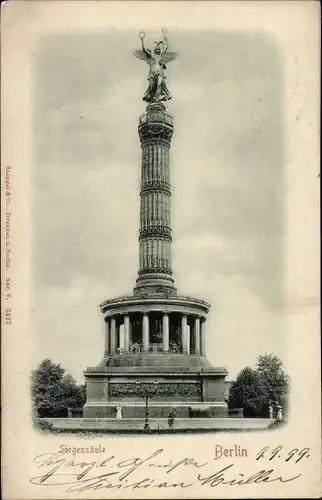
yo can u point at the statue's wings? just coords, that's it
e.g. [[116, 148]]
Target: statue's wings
[[143, 56], [169, 56]]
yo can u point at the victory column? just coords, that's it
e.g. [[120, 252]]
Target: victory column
[[155, 339]]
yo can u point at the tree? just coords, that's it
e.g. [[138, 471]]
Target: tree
[[255, 390], [53, 390], [247, 393], [274, 380]]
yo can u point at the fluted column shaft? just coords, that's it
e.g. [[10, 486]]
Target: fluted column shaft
[[155, 266], [155, 212], [197, 335], [126, 333], [121, 339], [184, 334], [203, 338], [165, 332], [145, 332], [107, 340], [113, 335]]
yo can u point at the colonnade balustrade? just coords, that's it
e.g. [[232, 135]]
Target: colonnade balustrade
[[167, 333]]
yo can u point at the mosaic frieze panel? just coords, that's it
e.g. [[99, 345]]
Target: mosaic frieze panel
[[162, 390]]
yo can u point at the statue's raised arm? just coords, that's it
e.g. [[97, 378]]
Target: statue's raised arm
[[165, 45], [157, 90], [144, 54], [147, 52]]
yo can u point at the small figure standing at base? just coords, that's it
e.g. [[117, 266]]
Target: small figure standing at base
[[270, 410], [170, 421], [173, 348], [279, 412], [119, 411], [135, 348]]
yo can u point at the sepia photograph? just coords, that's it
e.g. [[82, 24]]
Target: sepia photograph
[[158, 190], [160, 249]]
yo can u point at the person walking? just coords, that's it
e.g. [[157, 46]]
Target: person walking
[[170, 421]]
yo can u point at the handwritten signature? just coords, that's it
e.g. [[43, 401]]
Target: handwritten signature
[[80, 476]]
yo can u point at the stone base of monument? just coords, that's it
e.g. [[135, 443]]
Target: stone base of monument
[[161, 409], [166, 382], [159, 424]]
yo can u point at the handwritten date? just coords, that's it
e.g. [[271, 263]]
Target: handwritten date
[[294, 455]]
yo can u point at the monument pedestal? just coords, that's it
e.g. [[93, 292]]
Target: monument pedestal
[[187, 385]]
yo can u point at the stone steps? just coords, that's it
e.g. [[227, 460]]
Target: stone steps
[[161, 423]]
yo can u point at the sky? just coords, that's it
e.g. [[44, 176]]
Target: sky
[[228, 186]]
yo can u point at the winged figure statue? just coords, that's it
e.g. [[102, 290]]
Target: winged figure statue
[[157, 60]]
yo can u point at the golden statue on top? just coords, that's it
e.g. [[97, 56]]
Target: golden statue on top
[[157, 90]]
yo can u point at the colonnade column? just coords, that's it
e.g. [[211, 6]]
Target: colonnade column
[[121, 338], [165, 332], [126, 333], [113, 335], [184, 334], [188, 338], [197, 335], [107, 331], [203, 338], [130, 336], [145, 332]]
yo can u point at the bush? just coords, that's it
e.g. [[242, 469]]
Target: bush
[[44, 425], [255, 390], [53, 390]]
